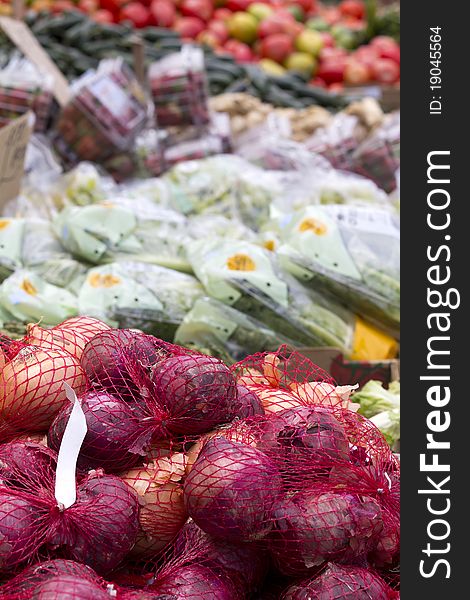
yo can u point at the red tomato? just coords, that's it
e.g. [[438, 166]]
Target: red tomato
[[103, 16], [386, 71], [309, 6], [163, 13], [277, 47], [222, 14], [202, 9], [356, 73], [331, 15], [392, 52], [270, 26], [318, 82], [328, 39], [366, 55], [238, 5], [61, 5], [332, 71], [189, 27], [219, 29], [384, 43], [329, 53], [88, 6], [114, 6], [240, 51], [353, 8], [136, 13]]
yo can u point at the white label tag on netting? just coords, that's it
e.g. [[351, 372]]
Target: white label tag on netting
[[74, 434]]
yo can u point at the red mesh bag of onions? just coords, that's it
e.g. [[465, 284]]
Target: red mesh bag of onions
[[35, 368], [58, 579], [311, 484], [338, 582], [287, 379], [98, 527]]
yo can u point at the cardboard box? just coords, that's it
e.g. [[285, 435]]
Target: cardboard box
[[348, 372]]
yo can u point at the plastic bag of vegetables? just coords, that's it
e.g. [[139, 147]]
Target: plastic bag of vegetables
[[224, 331], [11, 242], [248, 278], [352, 252], [223, 185], [98, 528], [29, 297], [138, 295]]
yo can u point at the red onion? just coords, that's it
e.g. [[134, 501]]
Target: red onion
[[247, 403], [112, 431], [340, 583], [26, 465], [109, 356], [69, 587], [311, 528], [197, 391], [231, 490], [19, 524], [194, 582], [101, 527], [304, 440]]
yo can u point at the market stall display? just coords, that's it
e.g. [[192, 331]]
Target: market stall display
[[170, 264]]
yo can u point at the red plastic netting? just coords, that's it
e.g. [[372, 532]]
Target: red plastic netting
[[341, 583], [287, 379], [99, 529], [57, 579]]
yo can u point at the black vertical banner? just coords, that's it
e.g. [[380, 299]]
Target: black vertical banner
[[435, 323]]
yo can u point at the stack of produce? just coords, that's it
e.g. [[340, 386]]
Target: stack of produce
[[23, 88], [319, 41], [107, 111], [193, 480]]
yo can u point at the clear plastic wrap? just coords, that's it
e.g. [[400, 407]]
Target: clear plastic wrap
[[137, 295], [249, 279], [215, 328], [23, 88], [11, 242], [378, 156], [29, 297], [178, 85], [124, 228], [107, 111], [353, 252], [224, 185]]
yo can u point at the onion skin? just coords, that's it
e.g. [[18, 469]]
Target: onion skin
[[3, 359], [197, 391], [19, 528], [162, 510], [69, 587], [87, 327], [112, 430], [231, 490], [247, 403], [31, 386], [340, 583], [314, 527], [52, 339], [194, 582]]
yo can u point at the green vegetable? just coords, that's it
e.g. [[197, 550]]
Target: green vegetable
[[382, 407]]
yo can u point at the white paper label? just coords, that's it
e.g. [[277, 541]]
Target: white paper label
[[366, 220], [74, 434]]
